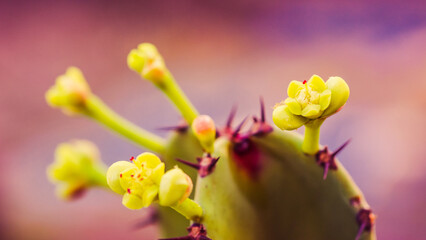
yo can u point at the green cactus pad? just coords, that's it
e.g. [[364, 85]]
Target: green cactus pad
[[288, 199]]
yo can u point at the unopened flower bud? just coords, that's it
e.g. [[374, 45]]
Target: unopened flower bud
[[76, 168], [339, 95], [175, 187], [69, 92], [204, 129], [147, 61]]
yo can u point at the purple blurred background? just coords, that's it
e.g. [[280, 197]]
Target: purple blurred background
[[221, 52]]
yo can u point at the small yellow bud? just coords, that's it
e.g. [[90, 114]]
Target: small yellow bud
[[147, 61], [69, 92], [204, 129], [339, 95], [175, 187], [285, 120], [76, 167]]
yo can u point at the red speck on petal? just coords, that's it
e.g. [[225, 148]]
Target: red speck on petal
[[131, 175], [129, 191], [121, 175], [132, 158], [304, 81]]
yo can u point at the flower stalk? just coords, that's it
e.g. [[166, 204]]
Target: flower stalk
[[73, 96], [311, 142], [189, 209], [100, 112], [175, 94], [147, 61]]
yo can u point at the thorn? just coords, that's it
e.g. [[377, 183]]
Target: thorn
[[341, 148], [207, 165], [326, 167], [355, 201], [262, 110], [231, 116], [178, 128], [196, 231], [260, 127], [238, 129], [365, 219], [327, 159], [360, 231], [193, 165]]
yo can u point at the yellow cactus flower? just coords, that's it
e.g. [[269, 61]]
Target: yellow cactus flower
[[138, 180], [69, 92], [204, 129], [310, 100], [77, 167], [143, 181], [309, 103]]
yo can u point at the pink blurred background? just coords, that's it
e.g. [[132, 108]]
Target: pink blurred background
[[221, 52]]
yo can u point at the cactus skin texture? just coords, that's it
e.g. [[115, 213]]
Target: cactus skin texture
[[286, 199], [261, 183]]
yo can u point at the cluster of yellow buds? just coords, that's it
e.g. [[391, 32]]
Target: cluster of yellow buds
[[77, 167], [310, 100], [309, 103], [204, 130], [147, 61], [70, 92]]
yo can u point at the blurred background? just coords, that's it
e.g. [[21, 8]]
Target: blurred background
[[222, 53]]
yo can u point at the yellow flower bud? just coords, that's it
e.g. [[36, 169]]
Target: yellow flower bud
[[147, 61], [175, 187], [285, 120], [204, 129], [76, 167], [339, 95], [69, 92]]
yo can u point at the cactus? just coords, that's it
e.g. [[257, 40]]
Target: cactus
[[216, 182]]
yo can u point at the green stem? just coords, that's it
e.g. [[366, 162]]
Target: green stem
[[178, 98], [97, 110], [312, 135], [189, 209], [98, 176]]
